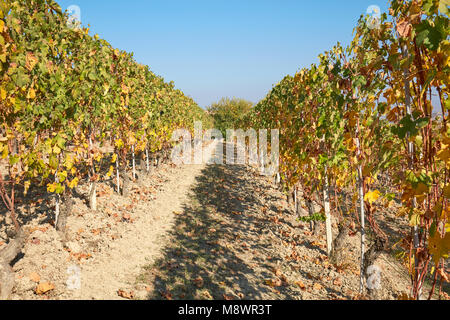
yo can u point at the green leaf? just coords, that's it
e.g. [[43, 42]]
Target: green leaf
[[13, 159], [92, 76], [53, 161], [359, 82], [428, 35], [433, 229]]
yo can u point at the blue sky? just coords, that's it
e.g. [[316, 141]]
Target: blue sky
[[223, 48]]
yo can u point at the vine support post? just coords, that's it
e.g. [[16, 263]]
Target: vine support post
[[117, 175], [93, 196], [414, 230], [9, 200], [92, 183], [58, 201], [295, 200], [147, 164], [134, 162], [361, 210], [363, 231], [326, 200]]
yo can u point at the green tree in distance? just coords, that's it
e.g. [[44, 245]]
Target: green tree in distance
[[227, 113]]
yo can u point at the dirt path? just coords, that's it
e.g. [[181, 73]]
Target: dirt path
[[141, 243]]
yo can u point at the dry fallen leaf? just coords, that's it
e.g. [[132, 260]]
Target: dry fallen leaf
[[226, 297], [284, 280], [44, 287], [273, 282], [403, 28], [80, 256], [300, 284], [124, 294], [206, 294], [34, 277], [199, 282], [166, 294], [317, 286], [276, 271]]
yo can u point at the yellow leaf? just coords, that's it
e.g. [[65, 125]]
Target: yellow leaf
[[366, 171], [5, 153], [73, 183], [414, 220], [3, 93], [372, 196], [26, 186], [370, 180], [44, 287], [51, 187], [421, 189], [119, 143], [69, 162], [110, 172], [439, 247], [444, 154], [62, 176], [447, 191], [405, 296], [31, 94]]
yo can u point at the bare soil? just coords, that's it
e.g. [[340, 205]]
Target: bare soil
[[190, 232]]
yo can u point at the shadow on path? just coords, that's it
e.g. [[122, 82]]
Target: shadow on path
[[206, 259]]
